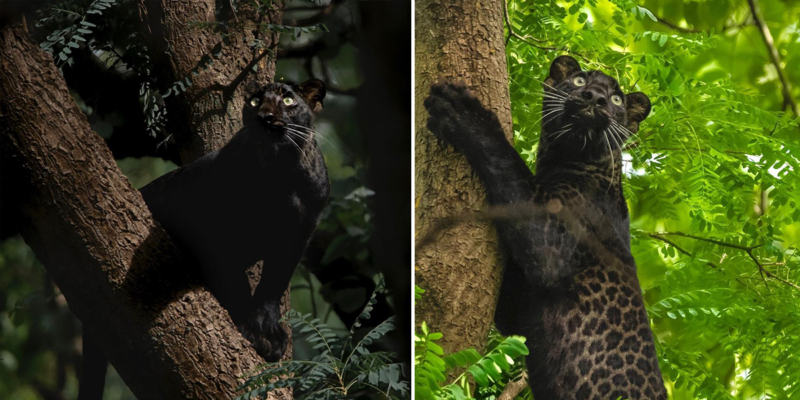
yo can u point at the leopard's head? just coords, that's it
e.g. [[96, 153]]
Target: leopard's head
[[588, 107], [283, 112]]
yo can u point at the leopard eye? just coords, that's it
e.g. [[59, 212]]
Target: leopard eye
[[616, 99], [579, 81], [288, 101], [254, 101]]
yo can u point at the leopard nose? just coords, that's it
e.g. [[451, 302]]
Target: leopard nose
[[594, 97], [271, 118]]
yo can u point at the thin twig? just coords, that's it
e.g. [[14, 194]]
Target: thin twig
[[704, 239], [511, 30], [514, 388], [634, 145], [786, 86], [761, 269], [233, 10], [679, 248], [770, 274], [747, 249], [677, 27], [532, 41], [687, 253]]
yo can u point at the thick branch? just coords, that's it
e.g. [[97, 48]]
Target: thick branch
[[120, 272], [208, 114], [786, 86]]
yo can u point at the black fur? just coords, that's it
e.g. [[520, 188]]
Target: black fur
[[258, 198], [569, 282]]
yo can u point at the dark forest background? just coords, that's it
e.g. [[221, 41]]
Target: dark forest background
[[362, 55]]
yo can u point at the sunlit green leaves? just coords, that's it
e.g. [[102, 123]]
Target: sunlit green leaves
[[716, 159], [490, 372]]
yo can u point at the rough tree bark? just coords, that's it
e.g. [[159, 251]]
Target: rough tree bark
[[120, 272], [208, 114], [457, 41]]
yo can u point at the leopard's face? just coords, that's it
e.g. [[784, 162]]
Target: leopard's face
[[589, 107], [284, 113]]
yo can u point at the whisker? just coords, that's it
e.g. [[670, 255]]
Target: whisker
[[301, 127], [560, 133], [557, 91], [295, 129], [610, 132], [301, 135], [305, 157], [552, 118], [625, 130], [559, 96], [548, 108], [620, 135], [613, 166], [291, 140], [620, 142], [549, 112]]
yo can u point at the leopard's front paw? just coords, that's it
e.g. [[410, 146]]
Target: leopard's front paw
[[266, 334], [456, 116]]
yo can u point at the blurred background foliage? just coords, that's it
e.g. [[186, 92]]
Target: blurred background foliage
[[40, 339], [711, 178]]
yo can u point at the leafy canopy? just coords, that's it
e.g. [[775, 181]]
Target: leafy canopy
[[710, 179]]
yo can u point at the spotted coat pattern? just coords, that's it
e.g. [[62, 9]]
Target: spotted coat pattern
[[569, 283]]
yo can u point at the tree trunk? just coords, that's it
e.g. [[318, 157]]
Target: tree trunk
[[120, 272], [457, 41], [209, 113]]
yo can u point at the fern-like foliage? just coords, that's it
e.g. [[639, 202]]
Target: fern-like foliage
[[494, 370], [711, 177], [109, 29], [74, 30], [343, 368]]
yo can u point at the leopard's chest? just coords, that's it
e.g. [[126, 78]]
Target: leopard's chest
[[599, 338]]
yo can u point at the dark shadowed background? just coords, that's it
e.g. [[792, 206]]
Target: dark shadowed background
[[364, 237]]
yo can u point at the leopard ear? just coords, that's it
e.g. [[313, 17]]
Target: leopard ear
[[312, 91], [562, 68], [638, 107], [251, 88]]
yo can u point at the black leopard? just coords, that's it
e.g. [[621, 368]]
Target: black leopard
[[569, 280]]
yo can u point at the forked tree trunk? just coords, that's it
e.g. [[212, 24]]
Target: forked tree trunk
[[457, 41], [120, 272], [209, 113]]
